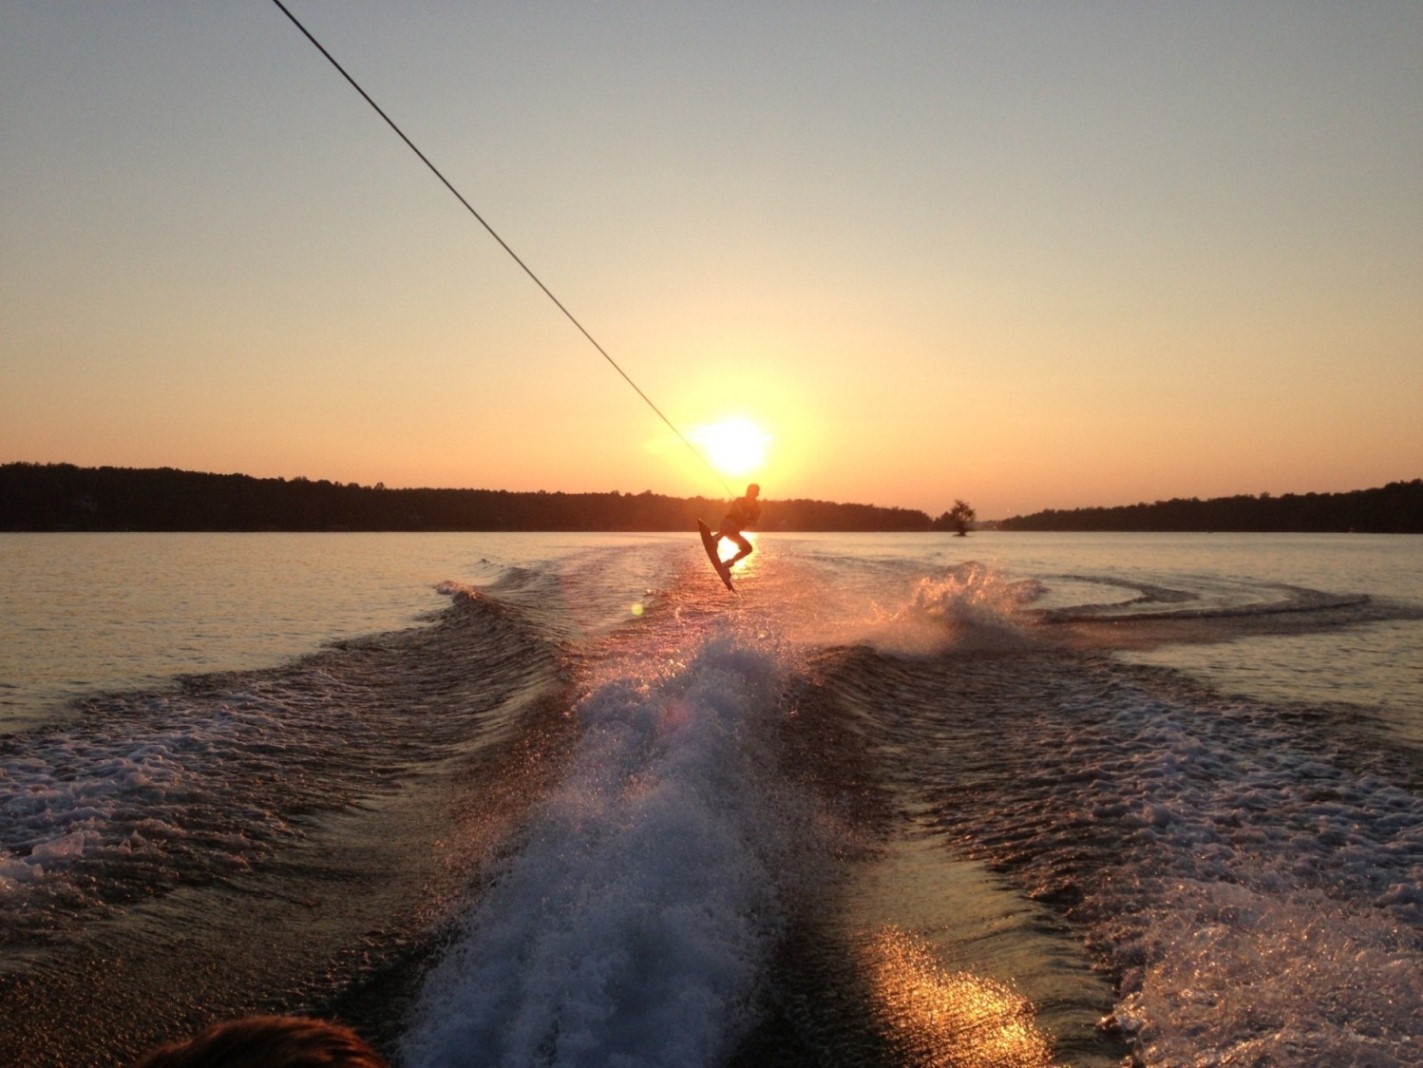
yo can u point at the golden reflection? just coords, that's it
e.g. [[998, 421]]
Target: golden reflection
[[949, 1020], [745, 561]]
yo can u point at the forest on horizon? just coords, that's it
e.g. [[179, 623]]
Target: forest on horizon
[[1396, 508], [65, 497]]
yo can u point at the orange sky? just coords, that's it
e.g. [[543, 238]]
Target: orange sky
[[1031, 255]]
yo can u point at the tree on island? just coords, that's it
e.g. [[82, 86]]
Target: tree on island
[[959, 519]]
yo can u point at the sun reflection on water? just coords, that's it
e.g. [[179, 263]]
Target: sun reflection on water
[[949, 1019], [728, 550]]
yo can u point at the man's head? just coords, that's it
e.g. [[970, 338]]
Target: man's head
[[268, 1042], [753, 490]]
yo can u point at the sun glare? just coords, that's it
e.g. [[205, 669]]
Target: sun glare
[[734, 445]]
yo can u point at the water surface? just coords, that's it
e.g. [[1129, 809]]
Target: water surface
[[901, 800]]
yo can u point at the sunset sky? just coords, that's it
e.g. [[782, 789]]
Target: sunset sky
[[1031, 255]]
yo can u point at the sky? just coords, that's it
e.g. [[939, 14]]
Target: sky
[[1028, 255]]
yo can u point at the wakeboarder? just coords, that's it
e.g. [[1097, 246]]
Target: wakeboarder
[[740, 514]]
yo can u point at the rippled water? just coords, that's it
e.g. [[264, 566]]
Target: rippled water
[[901, 800], [81, 613]]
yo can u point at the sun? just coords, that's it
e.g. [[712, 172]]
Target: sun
[[734, 445]]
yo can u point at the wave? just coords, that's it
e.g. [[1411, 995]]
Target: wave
[[1239, 871], [152, 791]]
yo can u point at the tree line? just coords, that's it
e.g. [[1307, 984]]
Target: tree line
[[1396, 508], [63, 497]]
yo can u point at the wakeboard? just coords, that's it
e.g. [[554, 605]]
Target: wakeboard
[[709, 543]]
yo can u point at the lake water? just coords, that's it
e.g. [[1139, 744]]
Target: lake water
[[563, 799]]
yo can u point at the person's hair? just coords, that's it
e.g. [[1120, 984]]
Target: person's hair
[[755, 487], [267, 1042]]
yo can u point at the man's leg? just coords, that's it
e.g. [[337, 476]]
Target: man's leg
[[744, 545]]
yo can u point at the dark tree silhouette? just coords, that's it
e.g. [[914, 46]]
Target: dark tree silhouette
[[65, 497], [959, 518], [1396, 508]]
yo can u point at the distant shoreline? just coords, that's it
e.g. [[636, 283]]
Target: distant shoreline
[[1396, 508], [64, 497], [55, 498]]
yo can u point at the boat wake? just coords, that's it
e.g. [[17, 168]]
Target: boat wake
[[635, 918], [864, 811]]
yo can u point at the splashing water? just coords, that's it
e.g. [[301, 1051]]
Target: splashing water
[[632, 926]]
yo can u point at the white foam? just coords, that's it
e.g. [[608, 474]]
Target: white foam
[[632, 927], [970, 604], [1281, 977], [1265, 909], [122, 797]]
